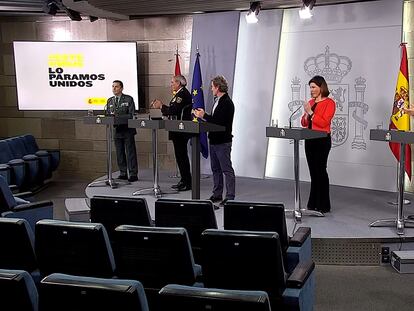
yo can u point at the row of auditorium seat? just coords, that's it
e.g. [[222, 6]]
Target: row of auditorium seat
[[67, 293], [198, 215], [160, 256], [23, 164]]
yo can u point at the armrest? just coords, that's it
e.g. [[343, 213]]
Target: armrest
[[42, 153], [5, 171], [300, 236], [4, 166], [32, 168], [55, 158], [30, 157], [22, 195], [18, 172], [33, 205], [15, 162], [198, 273], [301, 273]]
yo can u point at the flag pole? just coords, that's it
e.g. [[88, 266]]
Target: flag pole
[[177, 71], [405, 201]]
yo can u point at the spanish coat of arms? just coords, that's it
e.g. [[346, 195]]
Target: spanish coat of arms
[[334, 68]]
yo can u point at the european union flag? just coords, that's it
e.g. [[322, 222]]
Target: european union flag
[[198, 101]]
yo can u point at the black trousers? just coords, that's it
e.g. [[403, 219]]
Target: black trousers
[[317, 151], [126, 154], [181, 156]]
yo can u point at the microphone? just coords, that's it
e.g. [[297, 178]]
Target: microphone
[[109, 107], [106, 109], [290, 118]]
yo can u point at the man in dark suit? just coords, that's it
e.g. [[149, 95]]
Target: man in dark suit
[[220, 142], [180, 109], [123, 105]]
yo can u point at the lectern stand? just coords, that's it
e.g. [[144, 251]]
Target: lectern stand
[[402, 138], [195, 128], [154, 126], [109, 122], [296, 134]]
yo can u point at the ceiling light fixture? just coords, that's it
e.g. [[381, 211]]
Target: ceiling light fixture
[[73, 15], [251, 16], [54, 6], [306, 11], [50, 7]]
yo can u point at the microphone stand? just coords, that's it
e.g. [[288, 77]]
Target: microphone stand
[[293, 113], [182, 111]]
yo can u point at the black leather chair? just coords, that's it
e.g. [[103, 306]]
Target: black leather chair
[[11, 207], [17, 166], [45, 159], [73, 248], [34, 174], [68, 293], [17, 291], [252, 260], [155, 256], [113, 212], [186, 298], [6, 172], [33, 148], [17, 247], [263, 216], [193, 215]]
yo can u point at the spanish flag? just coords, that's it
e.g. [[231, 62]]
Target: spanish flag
[[177, 70], [401, 121]]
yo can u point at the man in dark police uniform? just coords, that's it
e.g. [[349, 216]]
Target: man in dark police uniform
[[180, 109], [123, 105]]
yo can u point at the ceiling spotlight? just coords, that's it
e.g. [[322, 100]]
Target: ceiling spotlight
[[251, 17], [53, 7], [50, 7], [306, 11], [73, 15]]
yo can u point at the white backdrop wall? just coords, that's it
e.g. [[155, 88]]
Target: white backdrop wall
[[363, 38], [256, 62], [215, 35]]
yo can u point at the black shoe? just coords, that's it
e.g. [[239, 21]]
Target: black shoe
[[133, 178], [215, 199], [184, 187], [124, 177], [180, 184]]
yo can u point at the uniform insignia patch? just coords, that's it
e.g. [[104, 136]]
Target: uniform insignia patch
[[179, 100]]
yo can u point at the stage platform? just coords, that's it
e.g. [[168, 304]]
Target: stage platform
[[342, 236]]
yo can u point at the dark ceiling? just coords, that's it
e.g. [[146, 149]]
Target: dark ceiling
[[142, 8], [156, 7]]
